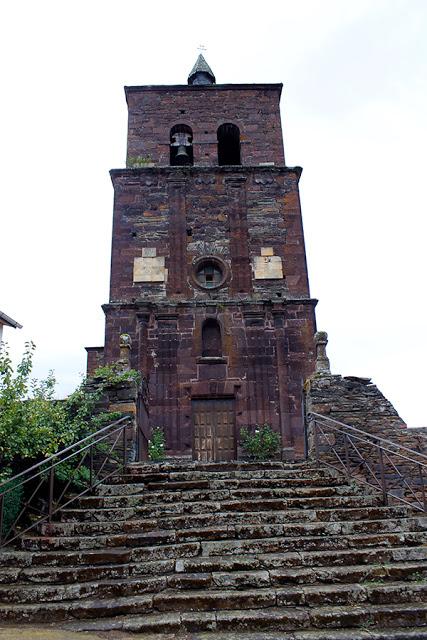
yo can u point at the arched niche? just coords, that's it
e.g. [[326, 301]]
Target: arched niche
[[211, 339]]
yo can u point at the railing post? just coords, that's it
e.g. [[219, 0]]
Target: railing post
[[382, 473], [51, 484], [91, 467], [423, 490], [347, 457], [124, 444], [316, 443], [1, 516]]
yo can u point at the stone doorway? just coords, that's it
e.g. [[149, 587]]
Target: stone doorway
[[214, 430]]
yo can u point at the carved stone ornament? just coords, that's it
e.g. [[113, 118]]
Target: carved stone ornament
[[125, 340], [322, 360], [125, 345]]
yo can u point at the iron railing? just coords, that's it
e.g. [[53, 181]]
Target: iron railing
[[397, 472], [46, 490]]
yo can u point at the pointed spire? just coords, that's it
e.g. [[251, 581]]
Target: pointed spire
[[201, 73]]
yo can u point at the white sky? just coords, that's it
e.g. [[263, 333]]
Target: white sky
[[354, 107]]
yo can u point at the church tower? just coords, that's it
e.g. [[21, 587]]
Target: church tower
[[208, 268]]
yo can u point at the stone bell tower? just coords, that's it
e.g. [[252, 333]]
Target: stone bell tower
[[208, 269]]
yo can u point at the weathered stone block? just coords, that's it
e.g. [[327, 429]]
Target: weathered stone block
[[267, 267], [149, 269], [267, 251]]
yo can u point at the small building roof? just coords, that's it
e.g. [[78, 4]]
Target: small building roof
[[201, 73], [9, 322]]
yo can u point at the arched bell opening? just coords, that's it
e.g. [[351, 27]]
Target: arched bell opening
[[181, 145], [228, 136]]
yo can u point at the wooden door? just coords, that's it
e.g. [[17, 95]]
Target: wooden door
[[214, 432]]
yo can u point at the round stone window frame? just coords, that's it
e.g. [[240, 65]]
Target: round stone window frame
[[218, 262]]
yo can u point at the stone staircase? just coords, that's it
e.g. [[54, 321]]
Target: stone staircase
[[248, 548]]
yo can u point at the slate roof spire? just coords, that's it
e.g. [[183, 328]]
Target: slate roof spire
[[201, 73]]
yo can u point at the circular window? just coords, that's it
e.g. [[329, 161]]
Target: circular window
[[210, 272]]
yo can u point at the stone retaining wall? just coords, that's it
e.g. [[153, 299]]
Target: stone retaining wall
[[359, 403]]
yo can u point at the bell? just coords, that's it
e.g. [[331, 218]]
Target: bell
[[182, 154]]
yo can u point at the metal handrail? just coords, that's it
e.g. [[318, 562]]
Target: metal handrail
[[62, 451], [376, 468], [44, 472], [366, 434]]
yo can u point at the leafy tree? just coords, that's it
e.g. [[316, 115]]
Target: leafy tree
[[32, 424]]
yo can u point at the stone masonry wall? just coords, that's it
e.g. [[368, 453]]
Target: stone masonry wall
[[179, 215], [267, 352], [95, 359], [153, 111], [359, 403], [354, 401]]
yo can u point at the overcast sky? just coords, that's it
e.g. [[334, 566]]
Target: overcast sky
[[354, 110]]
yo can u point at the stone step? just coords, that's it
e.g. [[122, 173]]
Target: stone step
[[12, 558], [309, 543], [357, 574], [96, 528], [85, 573], [241, 488], [279, 545], [368, 577], [120, 488], [177, 493], [309, 473], [219, 519], [341, 558], [340, 634], [288, 478], [190, 507], [283, 568], [362, 513], [167, 600], [114, 588], [281, 517], [297, 619], [81, 609], [231, 573], [187, 559], [169, 466], [229, 532]]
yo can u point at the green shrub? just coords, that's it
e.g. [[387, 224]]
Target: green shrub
[[137, 162], [113, 374], [67, 471], [262, 443], [156, 445]]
